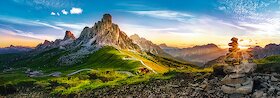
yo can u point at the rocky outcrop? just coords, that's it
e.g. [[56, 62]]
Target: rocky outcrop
[[68, 39], [146, 45], [103, 33], [69, 35]]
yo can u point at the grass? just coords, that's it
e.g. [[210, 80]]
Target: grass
[[269, 64], [111, 58], [155, 66], [94, 80], [106, 63]]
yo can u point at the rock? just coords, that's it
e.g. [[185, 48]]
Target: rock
[[238, 88], [273, 79], [146, 45], [69, 35], [258, 94], [103, 33], [271, 89], [203, 86], [35, 73], [266, 77], [55, 74]]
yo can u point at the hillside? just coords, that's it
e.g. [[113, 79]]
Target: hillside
[[269, 64]]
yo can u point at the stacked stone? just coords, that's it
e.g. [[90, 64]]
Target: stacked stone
[[236, 80], [234, 56]]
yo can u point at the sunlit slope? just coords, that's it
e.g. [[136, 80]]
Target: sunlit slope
[[156, 67], [110, 58]]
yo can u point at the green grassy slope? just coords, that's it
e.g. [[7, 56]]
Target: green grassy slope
[[110, 58], [106, 63], [268, 64]]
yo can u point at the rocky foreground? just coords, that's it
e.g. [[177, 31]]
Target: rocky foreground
[[186, 85], [182, 85]]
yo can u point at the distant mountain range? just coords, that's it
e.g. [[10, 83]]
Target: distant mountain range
[[15, 49], [257, 51], [268, 50], [198, 54]]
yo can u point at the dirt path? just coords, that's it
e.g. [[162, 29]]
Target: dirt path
[[141, 63], [87, 69], [73, 73]]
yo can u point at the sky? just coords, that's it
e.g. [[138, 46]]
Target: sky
[[178, 23]]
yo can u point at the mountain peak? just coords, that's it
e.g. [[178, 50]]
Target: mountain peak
[[69, 35], [135, 37], [107, 18], [46, 42]]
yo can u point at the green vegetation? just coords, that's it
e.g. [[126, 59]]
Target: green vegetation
[[110, 68], [270, 59], [268, 64], [97, 79], [111, 58]]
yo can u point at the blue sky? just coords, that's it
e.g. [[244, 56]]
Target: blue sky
[[181, 23]]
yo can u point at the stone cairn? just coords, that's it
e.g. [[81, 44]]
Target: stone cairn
[[238, 67]]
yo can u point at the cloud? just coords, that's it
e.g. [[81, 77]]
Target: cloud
[[64, 12], [28, 22], [164, 14], [52, 13], [76, 10], [47, 3], [76, 26], [249, 10], [16, 32]]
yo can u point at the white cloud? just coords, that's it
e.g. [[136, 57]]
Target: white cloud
[[164, 14], [39, 4], [76, 10], [249, 10], [77, 26], [64, 12], [28, 22], [52, 13], [16, 32]]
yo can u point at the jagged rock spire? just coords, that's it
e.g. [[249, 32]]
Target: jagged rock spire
[[69, 35], [107, 18]]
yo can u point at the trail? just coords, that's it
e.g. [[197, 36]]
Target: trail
[[87, 69], [73, 73], [141, 63]]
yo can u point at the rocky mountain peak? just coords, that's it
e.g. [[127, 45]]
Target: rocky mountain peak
[[46, 42], [163, 45], [12, 46], [107, 18], [135, 37], [69, 35], [104, 33]]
